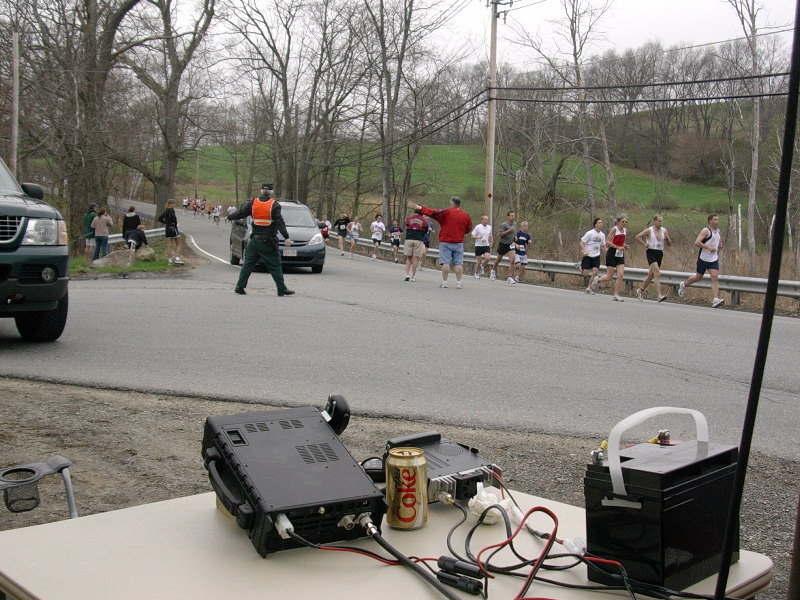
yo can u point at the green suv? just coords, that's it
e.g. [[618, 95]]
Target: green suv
[[34, 261]]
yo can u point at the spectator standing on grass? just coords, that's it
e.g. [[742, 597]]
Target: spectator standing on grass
[[455, 224], [263, 245], [709, 241], [615, 257], [102, 225], [88, 232], [522, 241], [395, 231], [340, 226], [378, 228], [414, 248], [505, 247], [171, 233], [654, 238], [482, 234], [353, 231], [592, 243]]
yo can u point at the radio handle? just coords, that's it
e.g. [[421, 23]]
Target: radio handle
[[241, 511]]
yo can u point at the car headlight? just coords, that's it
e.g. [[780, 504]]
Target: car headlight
[[45, 232], [317, 239]]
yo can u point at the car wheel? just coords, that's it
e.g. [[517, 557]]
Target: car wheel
[[316, 268], [234, 259], [43, 326]]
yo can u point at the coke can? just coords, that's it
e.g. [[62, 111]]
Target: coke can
[[406, 488]]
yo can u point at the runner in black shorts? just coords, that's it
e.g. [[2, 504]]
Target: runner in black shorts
[[615, 257], [654, 238]]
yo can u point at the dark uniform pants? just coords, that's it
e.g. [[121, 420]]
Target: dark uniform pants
[[266, 252]]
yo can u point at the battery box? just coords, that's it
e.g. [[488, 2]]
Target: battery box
[[668, 528]]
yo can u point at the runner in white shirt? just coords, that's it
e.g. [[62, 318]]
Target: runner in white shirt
[[592, 243], [378, 228], [710, 243], [654, 239], [482, 234]]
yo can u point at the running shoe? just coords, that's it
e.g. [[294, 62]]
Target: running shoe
[[717, 302], [443, 284], [413, 279], [682, 289], [178, 260], [640, 295], [589, 291], [662, 297], [342, 253], [618, 299], [408, 277], [373, 257], [511, 280], [477, 276], [458, 285], [516, 279], [595, 283], [493, 275]]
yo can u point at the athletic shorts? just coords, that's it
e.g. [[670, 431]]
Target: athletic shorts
[[521, 259], [590, 262], [703, 266], [351, 236], [451, 254], [481, 250], [395, 242], [654, 256], [503, 248], [612, 260], [413, 248], [90, 243], [376, 241]]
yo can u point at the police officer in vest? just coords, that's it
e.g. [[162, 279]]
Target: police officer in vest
[[263, 244]]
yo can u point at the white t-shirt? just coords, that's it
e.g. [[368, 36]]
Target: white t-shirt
[[485, 231], [592, 241], [377, 228]]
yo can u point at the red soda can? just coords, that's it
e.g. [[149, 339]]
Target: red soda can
[[406, 488]]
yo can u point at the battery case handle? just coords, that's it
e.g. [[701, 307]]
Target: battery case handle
[[614, 463], [241, 511]]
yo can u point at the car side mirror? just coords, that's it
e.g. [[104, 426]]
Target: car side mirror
[[34, 190]]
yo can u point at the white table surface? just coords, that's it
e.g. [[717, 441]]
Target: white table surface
[[188, 549]]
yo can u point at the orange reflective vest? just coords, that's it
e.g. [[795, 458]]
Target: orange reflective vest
[[262, 212]]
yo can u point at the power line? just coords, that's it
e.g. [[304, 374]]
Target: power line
[[641, 85], [645, 100]]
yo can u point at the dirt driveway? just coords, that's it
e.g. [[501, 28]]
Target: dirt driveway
[[130, 448]]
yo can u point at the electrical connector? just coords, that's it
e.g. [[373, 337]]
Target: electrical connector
[[284, 526], [452, 565], [445, 497], [366, 522], [467, 584], [575, 546], [347, 521]]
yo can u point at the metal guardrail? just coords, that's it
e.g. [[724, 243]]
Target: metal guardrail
[[735, 284]]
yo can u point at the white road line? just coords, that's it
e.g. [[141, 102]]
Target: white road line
[[208, 254]]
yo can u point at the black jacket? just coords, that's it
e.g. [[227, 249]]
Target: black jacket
[[269, 231]]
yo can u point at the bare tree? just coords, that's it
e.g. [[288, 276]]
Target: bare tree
[[747, 12], [161, 65], [574, 33]]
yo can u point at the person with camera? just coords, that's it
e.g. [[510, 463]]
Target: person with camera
[[263, 245]]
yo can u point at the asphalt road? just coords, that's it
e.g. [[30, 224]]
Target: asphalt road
[[517, 357]]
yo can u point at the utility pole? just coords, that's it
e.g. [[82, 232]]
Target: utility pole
[[14, 102], [196, 170], [488, 202]]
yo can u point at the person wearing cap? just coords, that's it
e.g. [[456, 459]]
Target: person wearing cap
[[88, 232], [263, 245]]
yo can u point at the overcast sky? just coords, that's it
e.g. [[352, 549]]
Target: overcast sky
[[628, 24]]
